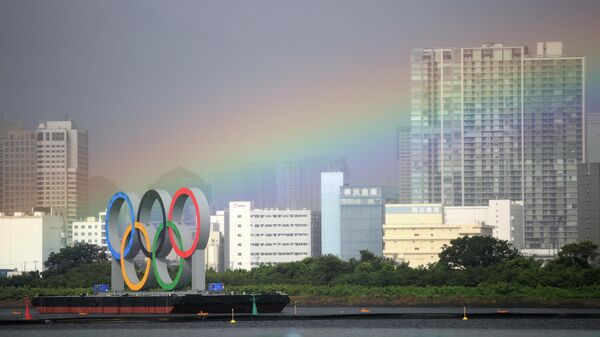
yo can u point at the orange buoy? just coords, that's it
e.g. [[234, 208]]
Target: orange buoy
[[365, 310]]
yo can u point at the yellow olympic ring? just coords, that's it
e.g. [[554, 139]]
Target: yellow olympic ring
[[135, 286]]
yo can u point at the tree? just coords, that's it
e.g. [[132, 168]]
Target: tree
[[578, 254], [476, 251], [69, 257]]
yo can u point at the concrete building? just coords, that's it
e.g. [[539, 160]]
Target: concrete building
[[26, 241], [593, 137], [404, 169], [504, 216], [497, 122], [214, 249], [5, 127], [220, 220], [330, 212], [299, 181], [62, 169], [315, 234], [267, 236], [92, 230], [588, 197], [19, 170], [361, 219], [416, 233]]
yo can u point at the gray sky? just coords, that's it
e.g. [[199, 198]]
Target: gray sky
[[191, 79]]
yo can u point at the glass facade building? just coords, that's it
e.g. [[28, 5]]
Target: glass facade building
[[496, 122], [330, 212], [362, 215]]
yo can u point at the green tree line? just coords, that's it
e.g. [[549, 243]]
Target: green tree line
[[468, 262]]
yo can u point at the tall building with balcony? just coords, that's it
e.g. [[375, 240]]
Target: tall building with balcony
[[18, 170], [62, 169], [498, 122], [404, 167]]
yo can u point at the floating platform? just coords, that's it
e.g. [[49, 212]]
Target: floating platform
[[160, 304]]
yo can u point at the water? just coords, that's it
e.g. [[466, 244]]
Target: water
[[499, 327]]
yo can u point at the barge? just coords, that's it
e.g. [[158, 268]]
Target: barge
[[160, 304]]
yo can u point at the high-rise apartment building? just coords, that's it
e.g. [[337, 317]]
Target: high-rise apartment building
[[404, 169], [62, 169], [496, 122], [5, 126], [18, 170], [588, 202]]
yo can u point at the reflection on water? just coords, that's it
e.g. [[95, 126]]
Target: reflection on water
[[320, 328]]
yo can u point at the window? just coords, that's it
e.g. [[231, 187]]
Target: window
[[58, 136]]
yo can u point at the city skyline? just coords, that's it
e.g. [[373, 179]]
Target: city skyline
[[221, 100], [500, 122]]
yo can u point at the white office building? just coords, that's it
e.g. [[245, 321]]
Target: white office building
[[92, 230], [504, 216], [62, 169], [267, 236], [330, 212], [26, 241]]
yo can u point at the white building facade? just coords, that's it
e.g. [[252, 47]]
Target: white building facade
[[330, 212], [267, 236], [62, 169], [27, 241], [92, 230], [215, 248], [505, 216]]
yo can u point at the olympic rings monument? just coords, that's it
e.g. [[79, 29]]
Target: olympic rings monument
[[135, 236], [157, 243]]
